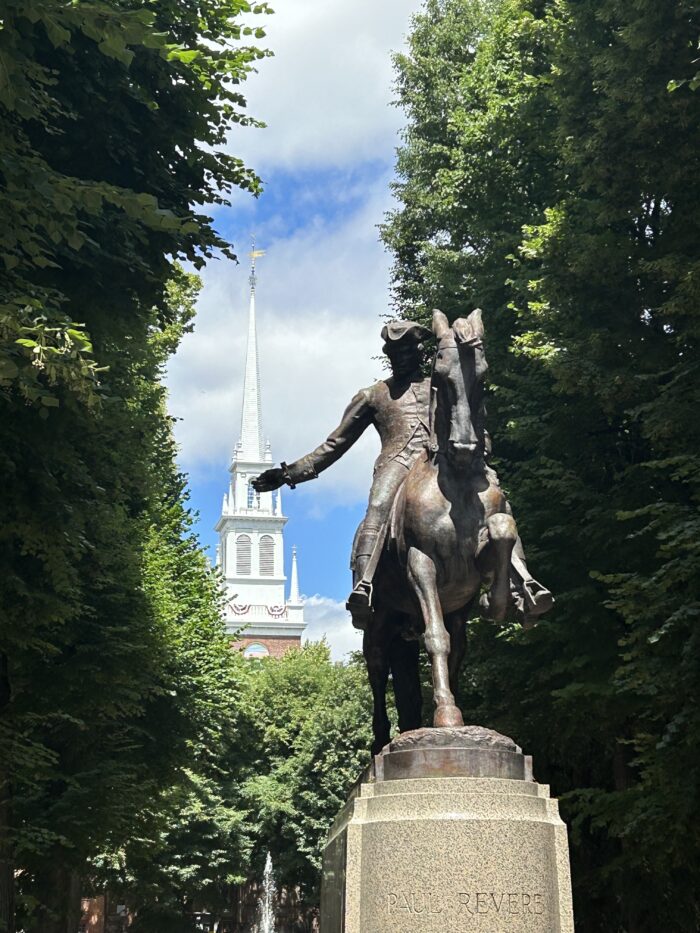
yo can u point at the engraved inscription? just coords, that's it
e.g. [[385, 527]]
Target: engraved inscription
[[461, 903], [416, 903]]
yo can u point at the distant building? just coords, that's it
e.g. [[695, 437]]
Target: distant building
[[250, 552]]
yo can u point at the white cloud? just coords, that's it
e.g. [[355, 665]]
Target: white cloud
[[323, 288], [321, 296], [323, 285], [329, 619], [326, 95]]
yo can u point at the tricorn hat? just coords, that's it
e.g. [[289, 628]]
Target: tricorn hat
[[395, 331]]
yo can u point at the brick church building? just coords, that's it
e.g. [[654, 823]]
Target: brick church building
[[250, 552]]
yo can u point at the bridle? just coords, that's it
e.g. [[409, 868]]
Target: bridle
[[476, 344]]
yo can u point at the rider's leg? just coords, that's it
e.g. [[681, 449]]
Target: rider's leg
[[531, 598], [364, 547], [360, 599], [384, 488], [537, 599]]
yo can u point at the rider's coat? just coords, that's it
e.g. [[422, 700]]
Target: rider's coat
[[398, 409], [399, 412]]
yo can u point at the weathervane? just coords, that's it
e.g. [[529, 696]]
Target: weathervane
[[254, 254]]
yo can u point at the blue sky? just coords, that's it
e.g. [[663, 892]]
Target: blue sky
[[326, 159]]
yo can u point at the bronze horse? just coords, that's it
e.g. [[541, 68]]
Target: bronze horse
[[449, 534]]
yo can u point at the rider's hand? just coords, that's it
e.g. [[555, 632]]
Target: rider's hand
[[269, 480]]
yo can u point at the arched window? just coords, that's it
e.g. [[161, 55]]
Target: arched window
[[267, 556], [256, 650], [243, 555]]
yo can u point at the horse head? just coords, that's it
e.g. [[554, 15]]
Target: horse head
[[457, 388]]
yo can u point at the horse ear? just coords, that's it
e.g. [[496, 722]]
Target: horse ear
[[469, 330], [476, 323], [441, 326]]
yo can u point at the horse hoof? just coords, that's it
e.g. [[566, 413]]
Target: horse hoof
[[447, 716], [382, 736]]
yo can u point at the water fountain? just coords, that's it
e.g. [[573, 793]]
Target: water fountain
[[266, 901]]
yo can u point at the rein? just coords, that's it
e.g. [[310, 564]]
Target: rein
[[433, 446]]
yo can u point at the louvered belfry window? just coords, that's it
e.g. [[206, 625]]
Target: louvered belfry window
[[243, 555], [267, 556]]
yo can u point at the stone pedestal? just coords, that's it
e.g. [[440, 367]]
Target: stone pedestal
[[448, 832]]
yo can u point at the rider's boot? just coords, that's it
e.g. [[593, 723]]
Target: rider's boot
[[359, 602]]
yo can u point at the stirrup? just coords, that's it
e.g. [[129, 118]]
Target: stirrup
[[359, 604], [537, 598]]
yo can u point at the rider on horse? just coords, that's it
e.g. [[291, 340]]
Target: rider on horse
[[398, 407]]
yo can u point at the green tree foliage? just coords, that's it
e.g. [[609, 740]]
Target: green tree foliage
[[475, 165], [112, 124], [123, 707], [312, 722], [273, 752], [187, 837], [112, 119], [549, 175]]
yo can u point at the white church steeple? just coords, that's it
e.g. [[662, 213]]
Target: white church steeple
[[250, 445], [251, 548]]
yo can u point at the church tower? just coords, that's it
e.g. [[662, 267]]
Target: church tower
[[251, 548]]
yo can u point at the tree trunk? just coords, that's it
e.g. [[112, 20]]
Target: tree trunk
[[61, 895], [7, 874], [7, 867], [623, 779]]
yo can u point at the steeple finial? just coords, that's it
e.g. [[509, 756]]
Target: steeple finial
[[254, 254], [250, 447], [294, 596]]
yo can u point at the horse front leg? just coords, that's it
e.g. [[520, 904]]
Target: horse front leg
[[456, 625], [502, 535], [375, 648], [423, 579]]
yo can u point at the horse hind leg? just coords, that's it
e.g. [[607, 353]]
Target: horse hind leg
[[503, 534], [376, 651], [423, 579], [404, 661], [456, 625]]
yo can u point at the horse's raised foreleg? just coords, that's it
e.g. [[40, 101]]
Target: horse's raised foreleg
[[375, 648], [423, 579], [503, 534]]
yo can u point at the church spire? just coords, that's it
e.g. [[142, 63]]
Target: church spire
[[294, 596], [250, 554], [250, 446]]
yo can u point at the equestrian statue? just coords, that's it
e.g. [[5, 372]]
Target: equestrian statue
[[439, 536]]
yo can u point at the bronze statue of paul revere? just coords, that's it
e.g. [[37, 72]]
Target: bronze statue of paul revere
[[438, 528]]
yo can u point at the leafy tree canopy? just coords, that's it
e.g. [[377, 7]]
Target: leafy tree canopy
[[313, 722], [549, 175], [115, 122], [113, 119]]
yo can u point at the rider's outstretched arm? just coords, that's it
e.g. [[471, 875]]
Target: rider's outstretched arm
[[357, 417]]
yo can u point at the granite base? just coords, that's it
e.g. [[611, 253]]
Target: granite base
[[450, 848]]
